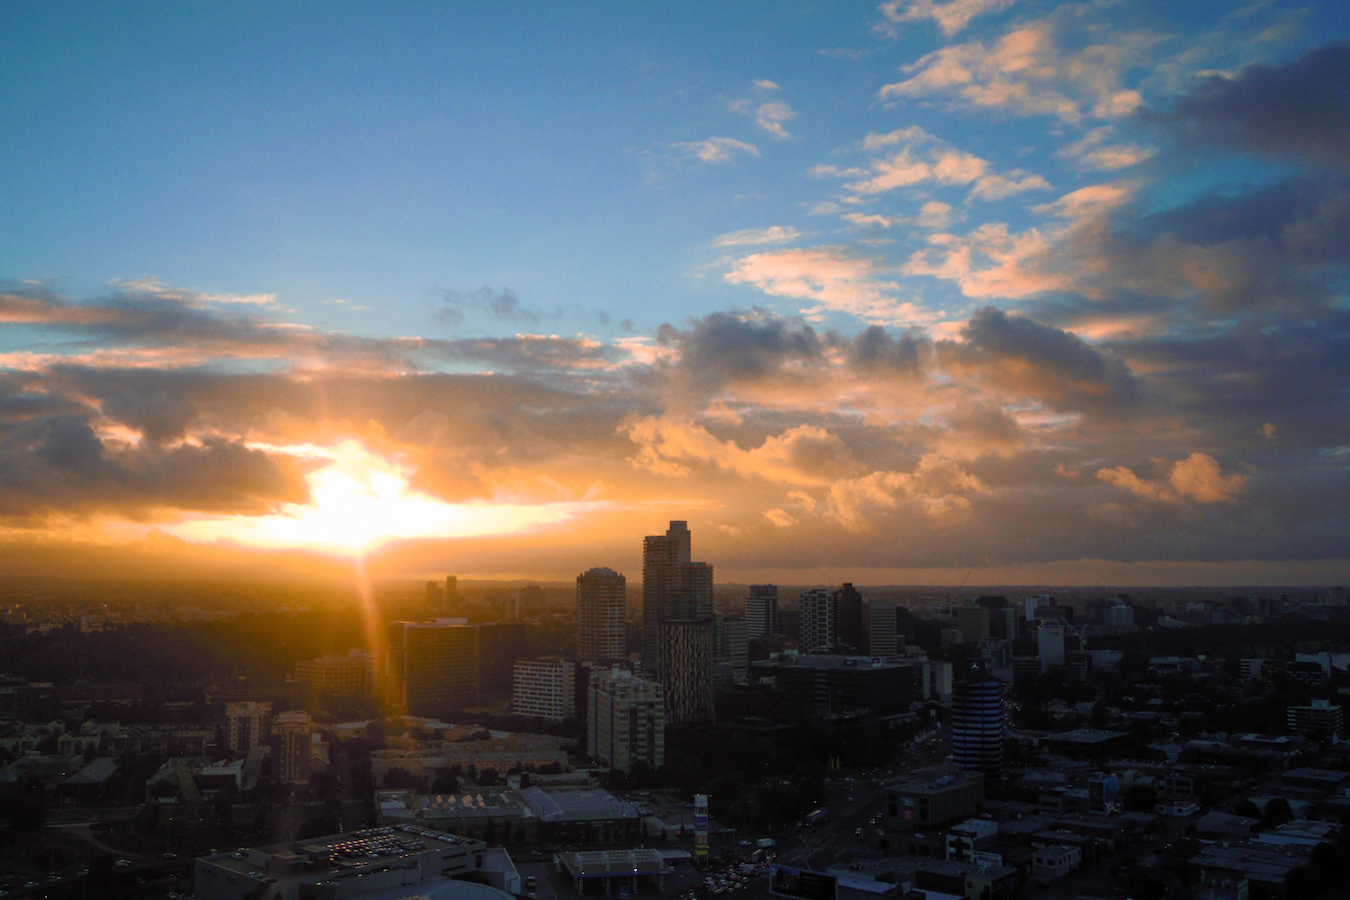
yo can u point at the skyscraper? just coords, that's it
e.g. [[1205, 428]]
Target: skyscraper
[[731, 644], [977, 722], [882, 639], [431, 668], [677, 631], [247, 725], [1050, 643], [601, 602], [500, 644], [819, 624], [625, 720], [293, 734], [848, 617], [761, 611]]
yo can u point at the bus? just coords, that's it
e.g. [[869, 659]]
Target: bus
[[819, 817]]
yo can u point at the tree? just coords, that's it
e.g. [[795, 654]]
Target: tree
[[1141, 798], [1277, 812], [1247, 809]]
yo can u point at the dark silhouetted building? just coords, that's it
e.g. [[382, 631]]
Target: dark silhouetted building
[[677, 627], [431, 668], [848, 612], [500, 645], [977, 722], [602, 596], [761, 611]]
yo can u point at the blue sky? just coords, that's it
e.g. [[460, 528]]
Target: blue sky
[[952, 172]]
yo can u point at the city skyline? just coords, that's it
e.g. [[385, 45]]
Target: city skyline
[[913, 292]]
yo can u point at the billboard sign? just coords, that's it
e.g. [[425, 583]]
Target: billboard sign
[[801, 884], [701, 829]]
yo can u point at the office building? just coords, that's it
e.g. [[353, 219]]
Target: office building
[[545, 689], [1050, 640], [761, 611], [349, 675], [1031, 604], [926, 804], [677, 626], [293, 740], [626, 722], [790, 623], [977, 722], [848, 618], [1003, 624], [1320, 717], [687, 650], [883, 641], [731, 643], [940, 681], [829, 685], [820, 627], [500, 644], [602, 596], [431, 668], [973, 623], [247, 725]]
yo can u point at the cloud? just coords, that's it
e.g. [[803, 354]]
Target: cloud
[[1092, 152], [832, 278], [1025, 73], [804, 455], [1021, 357], [1298, 111], [771, 116], [950, 16], [939, 485], [1198, 477], [502, 305], [718, 149], [780, 519], [924, 159], [764, 84], [777, 234]]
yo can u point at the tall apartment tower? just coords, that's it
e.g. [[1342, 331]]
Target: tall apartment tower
[[677, 628], [848, 617], [431, 668], [602, 596], [247, 725], [761, 611], [977, 722], [545, 689], [731, 644], [626, 720], [1050, 644], [500, 644], [293, 735], [820, 628], [883, 639]]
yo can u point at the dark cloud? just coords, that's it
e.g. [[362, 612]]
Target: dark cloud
[[876, 352], [726, 348], [501, 305], [1299, 110], [1018, 355]]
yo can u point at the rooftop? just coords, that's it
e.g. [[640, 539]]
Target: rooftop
[[1086, 736]]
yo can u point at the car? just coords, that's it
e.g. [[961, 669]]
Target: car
[[531, 881], [122, 863]]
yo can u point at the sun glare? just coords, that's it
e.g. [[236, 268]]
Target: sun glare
[[359, 500]]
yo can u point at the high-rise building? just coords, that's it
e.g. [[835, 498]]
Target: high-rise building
[[761, 611], [848, 618], [677, 631], [247, 725], [1003, 624], [940, 681], [1320, 717], [790, 622], [602, 596], [819, 624], [352, 675], [687, 650], [977, 722], [882, 639], [731, 644], [500, 644], [293, 736], [1050, 641], [974, 624], [545, 689], [431, 668], [626, 720]]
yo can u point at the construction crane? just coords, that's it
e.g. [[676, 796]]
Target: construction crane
[[958, 587]]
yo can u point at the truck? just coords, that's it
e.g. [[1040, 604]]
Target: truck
[[764, 843], [819, 817]]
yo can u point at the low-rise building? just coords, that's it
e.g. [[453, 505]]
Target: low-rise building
[[934, 803], [1055, 861]]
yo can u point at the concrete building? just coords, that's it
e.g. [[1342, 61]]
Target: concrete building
[[977, 723], [820, 627], [293, 737], [352, 675], [1050, 642], [602, 598], [626, 721], [940, 681], [832, 685], [687, 651], [431, 668], [761, 611], [1055, 861], [545, 689], [731, 643], [404, 860], [924, 804], [1321, 716], [247, 725]]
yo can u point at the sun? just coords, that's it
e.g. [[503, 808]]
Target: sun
[[359, 500]]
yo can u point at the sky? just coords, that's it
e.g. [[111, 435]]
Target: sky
[[1005, 290]]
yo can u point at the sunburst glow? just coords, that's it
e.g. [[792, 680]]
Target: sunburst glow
[[359, 500]]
